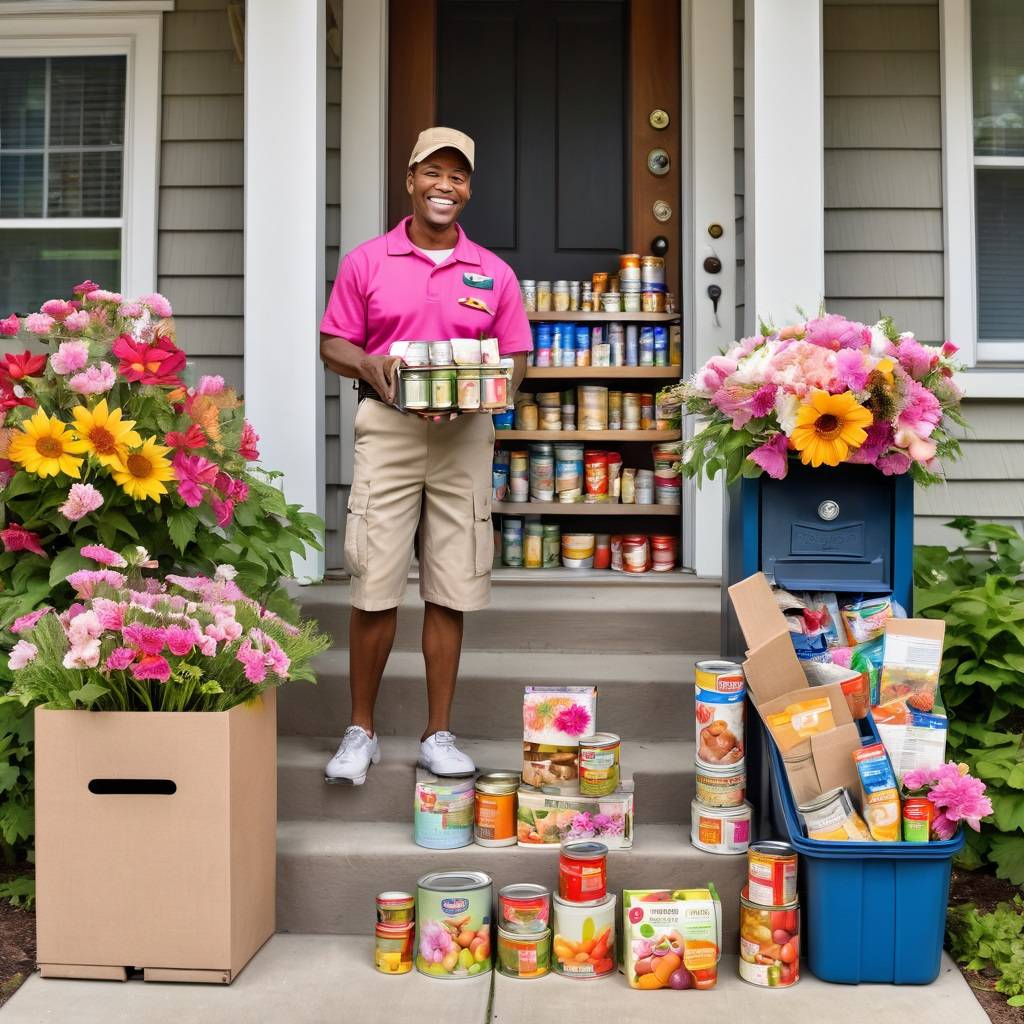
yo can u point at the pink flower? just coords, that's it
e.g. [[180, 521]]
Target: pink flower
[[180, 641], [120, 658], [82, 499], [851, 370], [247, 446], [210, 385], [762, 401], [84, 626], [734, 402], [93, 380], [157, 303], [922, 412], [103, 555], [950, 349], [920, 449], [207, 646], [22, 653], [879, 439], [10, 326], [7, 471], [70, 357], [573, 720], [59, 309], [893, 463], [25, 622], [110, 613], [85, 581], [148, 639], [223, 509], [17, 538], [77, 321], [771, 456], [85, 654], [152, 666], [435, 941], [915, 358], [836, 332], [85, 287], [38, 323], [130, 309], [101, 295], [194, 473], [255, 665], [961, 798], [714, 373]]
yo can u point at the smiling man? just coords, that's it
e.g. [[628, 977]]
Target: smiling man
[[424, 281]]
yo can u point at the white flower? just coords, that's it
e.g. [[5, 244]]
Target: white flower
[[752, 368], [879, 341], [225, 572], [786, 406]]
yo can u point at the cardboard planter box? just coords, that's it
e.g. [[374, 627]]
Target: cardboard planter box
[[155, 841]]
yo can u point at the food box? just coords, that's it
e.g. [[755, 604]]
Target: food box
[[545, 819], [911, 660], [554, 719], [671, 938]]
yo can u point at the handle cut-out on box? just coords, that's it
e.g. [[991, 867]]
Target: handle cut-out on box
[[133, 787]]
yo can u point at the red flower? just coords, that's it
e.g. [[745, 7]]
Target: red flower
[[24, 365], [157, 364], [85, 287], [17, 538], [247, 447], [191, 438], [10, 326], [9, 397]]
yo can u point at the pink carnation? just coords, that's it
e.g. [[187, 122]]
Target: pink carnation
[[194, 474], [59, 309], [950, 349], [84, 626], [836, 332], [120, 658], [77, 321], [210, 385], [714, 373], [22, 653], [93, 380], [70, 357], [38, 323], [922, 411], [157, 303], [85, 287], [573, 720], [879, 439], [148, 639], [762, 401], [893, 463], [915, 358], [224, 509], [851, 370], [17, 538], [130, 309], [110, 613], [103, 555], [247, 447], [152, 666], [10, 326], [735, 403], [102, 295], [771, 456], [26, 622], [85, 581], [82, 499], [180, 641]]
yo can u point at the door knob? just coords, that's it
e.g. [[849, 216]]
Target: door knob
[[659, 245], [712, 265]]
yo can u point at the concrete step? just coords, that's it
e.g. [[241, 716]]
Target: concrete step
[[662, 773], [640, 695], [682, 614], [328, 872]]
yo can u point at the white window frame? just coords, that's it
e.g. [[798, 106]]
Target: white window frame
[[996, 369], [95, 28]]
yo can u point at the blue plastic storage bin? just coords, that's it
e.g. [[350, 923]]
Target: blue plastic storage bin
[[872, 912]]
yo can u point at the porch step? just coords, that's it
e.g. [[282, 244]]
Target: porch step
[[640, 696], [329, 872], [675, 617], [662, 773]]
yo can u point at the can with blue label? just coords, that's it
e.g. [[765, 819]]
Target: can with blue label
[[720, 721], [453, 924], [443, 813], [660, 345]]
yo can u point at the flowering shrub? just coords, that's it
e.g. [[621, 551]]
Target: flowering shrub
[[101, 441], [830, 390], [191, 643]]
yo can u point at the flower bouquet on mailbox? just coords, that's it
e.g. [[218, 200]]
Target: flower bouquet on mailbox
[[554, 719], [828, 390]]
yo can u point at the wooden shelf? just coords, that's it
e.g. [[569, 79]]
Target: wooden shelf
[[557, 508], [604, 318], [599, 372], [587, 435]]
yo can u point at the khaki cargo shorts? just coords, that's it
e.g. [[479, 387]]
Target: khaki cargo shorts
[[413, 474]]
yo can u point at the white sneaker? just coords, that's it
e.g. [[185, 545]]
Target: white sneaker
[[438, 754], [357, 752]]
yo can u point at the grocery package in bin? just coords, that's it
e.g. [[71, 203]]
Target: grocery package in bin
[[555, 718], [546, 819]]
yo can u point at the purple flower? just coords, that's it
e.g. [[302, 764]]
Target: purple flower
[[763, 400], [894, 463], [836, 332], [851, 370]]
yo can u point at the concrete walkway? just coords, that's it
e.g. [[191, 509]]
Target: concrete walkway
[[315, 979]]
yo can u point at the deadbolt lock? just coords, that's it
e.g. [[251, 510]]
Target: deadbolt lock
[[658, 119], [662, 211], [658, 162]]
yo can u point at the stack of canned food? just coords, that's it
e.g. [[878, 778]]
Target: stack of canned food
[[599, 409], [770, 917], [584, 912], [565, 344], [452, 813], [637, 287], [720, 816], [538, 545]]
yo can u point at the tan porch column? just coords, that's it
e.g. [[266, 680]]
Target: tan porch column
[[284, 245], [784, 213]]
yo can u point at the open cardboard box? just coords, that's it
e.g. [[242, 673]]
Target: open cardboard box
[[155, 841], [776, 678]]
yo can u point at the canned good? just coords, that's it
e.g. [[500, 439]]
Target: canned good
[[443, 814], [720, 829], [833, 817], [720, 718], [495, 816], [493, 388], [512, 542], [533, 548], [453, 924], [720, 676], [528, 289], [417, 353], [652, 270], [663, 552], [652, 302], [602, 551], [524, 956], [415, 389], [578, 550], [584, 938], [551, 545], [395, 907], [524, 908], [467, 385], [599, 764], [771, 874], [636, 553], [440, 353], [442, 387], [721, 785], [769, 944], [393, 949], [595, 466], [582, 871], [918, 812], [543, 296]]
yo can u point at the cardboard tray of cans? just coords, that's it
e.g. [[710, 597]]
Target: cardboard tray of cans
[[453, 388]]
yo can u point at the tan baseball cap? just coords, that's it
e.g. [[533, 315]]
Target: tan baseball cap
[[433, 139]]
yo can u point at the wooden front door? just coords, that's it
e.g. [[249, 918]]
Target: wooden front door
[[558, 95]]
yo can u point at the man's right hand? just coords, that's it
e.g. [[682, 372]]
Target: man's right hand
[[381, 373]]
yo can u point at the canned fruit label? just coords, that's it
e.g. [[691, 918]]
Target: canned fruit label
[[772, 879], [709, 830], [584, 940], [495, 816], [769, 945], [599, 770], [721, 790], [720, 718], [524, 957], [393, 955], [524, 915], [722, 679], [453, 933], [442, 820]]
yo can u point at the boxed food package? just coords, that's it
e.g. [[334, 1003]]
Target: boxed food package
[[545, 819], [912, 739], [672, 938], [881, 798], [816, 742], [911, 660], [554, 719]]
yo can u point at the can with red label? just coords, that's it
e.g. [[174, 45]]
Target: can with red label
[[771, 873], [769, 944], [918, 812], [583, 871]]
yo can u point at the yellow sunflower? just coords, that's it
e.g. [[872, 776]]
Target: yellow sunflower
[[104, 433], [142, 473], [828, 426], [46, 447]]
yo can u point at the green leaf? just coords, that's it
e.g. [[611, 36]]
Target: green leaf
[[67, 562], [1008, 855], [181, 525], [88, 694], [21, 483]]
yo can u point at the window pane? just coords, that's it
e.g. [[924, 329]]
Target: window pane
[[997, 38], [999, 196], [22, 102], [21, 185], [85, 184], [36, 265], [87, 101]]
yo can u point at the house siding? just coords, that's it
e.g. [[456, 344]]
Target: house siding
[[738, 91], [200, 245]]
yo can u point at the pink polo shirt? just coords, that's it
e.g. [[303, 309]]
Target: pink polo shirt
[[387, 290]]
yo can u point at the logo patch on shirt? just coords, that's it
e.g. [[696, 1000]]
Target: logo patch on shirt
[[477, 280], [472, 303]]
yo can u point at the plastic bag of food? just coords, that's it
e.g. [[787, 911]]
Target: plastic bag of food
[[867, 658], [864, 618]]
